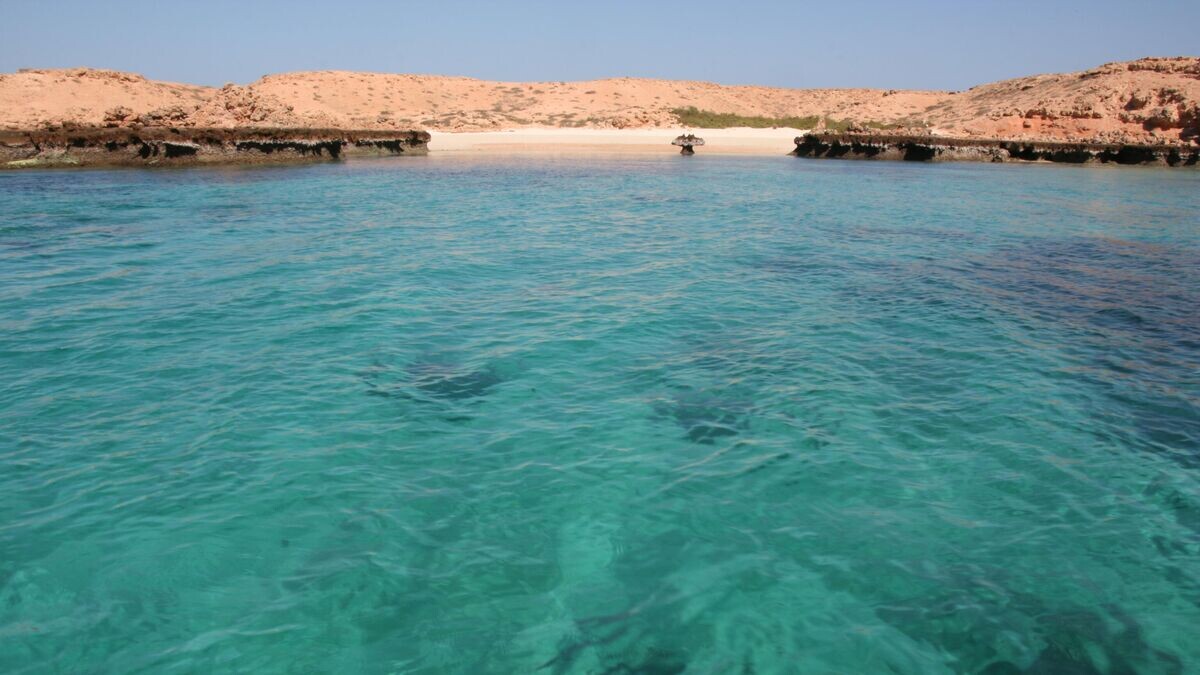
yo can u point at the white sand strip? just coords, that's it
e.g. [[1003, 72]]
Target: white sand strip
[[741, 141]]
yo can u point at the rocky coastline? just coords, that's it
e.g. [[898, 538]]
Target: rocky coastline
[[1141, 112], [927, 148], [185, 146]]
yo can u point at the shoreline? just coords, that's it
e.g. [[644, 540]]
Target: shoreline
[[654, 141], [189, 146]]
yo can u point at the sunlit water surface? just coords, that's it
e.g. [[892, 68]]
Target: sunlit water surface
[[626, 415]]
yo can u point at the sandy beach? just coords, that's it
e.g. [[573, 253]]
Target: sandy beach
[[743, 141]]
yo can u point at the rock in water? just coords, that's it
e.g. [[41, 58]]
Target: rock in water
[[686, 142]]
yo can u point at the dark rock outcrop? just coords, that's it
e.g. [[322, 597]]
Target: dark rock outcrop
[[939, 149], [686, 143], [168, 146]]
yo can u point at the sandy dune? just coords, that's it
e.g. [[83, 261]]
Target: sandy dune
[[1145, 101], [465, 104]]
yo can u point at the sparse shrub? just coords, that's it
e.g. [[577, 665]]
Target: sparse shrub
[[837, 125], [707, 119], [832, 124]]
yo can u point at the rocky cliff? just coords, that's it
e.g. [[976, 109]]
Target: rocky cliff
[[1148, 101]]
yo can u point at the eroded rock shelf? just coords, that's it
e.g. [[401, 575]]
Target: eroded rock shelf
[[164, 146], [938, 149]]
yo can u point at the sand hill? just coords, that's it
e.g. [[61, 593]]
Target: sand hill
[[1152, 100]]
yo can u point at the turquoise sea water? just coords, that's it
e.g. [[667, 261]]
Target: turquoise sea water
[[627, 415]]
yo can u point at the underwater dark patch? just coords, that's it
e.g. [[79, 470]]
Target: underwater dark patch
[[429, 380], [455, 386], [704, 419], [1185, 510], [1001, 668], [1119, 316], [1125, 311], [654, 662], [1127, 288], [1073, 636], [604, 633], [796, 264]]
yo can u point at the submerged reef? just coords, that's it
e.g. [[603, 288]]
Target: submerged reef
[[163, 146], [427, 380], [705, 418]]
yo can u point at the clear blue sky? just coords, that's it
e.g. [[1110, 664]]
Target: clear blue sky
[[916, 44]]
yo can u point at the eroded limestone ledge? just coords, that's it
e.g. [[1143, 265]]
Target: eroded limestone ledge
[[937, 149], [164, 146]]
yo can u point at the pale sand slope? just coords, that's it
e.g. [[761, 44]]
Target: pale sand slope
[[1153, 100], [616, 141], [464, 104]]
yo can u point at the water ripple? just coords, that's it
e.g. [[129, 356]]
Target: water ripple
[[630, 415]]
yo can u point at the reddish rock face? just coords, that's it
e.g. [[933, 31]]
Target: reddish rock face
[[1147, 101]]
